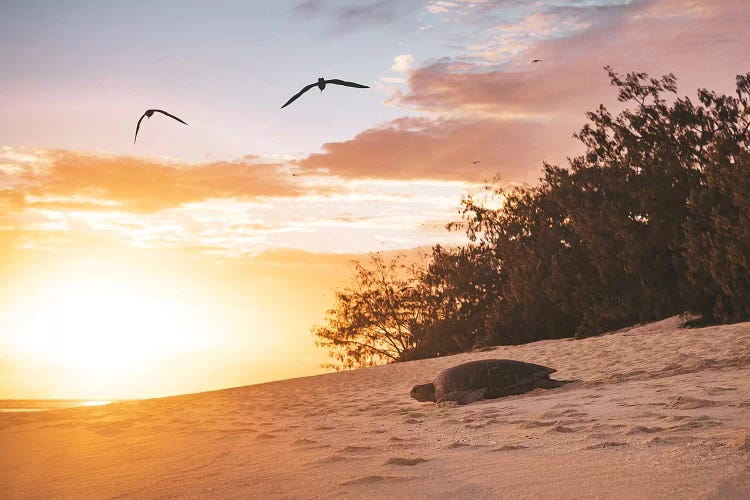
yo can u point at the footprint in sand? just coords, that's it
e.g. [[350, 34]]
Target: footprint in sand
[[718, 391], [265, 436], [606, 444], [562, 429], [659, 440], [688, 403], [606, 427], [405, 461], [533, 424], [371, 480], [642, 429], [306, 443], [339, 457], [694, 425], [356, 449], [460, 444]]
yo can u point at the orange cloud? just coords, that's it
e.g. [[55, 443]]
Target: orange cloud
[[418, 148], [80, 180]]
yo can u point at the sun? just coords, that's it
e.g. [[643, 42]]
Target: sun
[[106, 325]]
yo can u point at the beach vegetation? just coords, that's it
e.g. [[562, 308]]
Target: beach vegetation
[[652, 220]]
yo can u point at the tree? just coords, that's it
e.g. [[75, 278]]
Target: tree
[[372, 320], [717, 231], [454, 292], [529, 238]]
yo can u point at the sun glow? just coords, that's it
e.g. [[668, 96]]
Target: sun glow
[[110, 327]]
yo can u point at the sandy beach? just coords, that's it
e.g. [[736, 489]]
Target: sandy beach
[[657, 411]]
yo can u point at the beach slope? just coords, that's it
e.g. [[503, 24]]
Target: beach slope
[[657, 411]]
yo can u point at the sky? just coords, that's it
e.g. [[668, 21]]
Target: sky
[[201, 256]]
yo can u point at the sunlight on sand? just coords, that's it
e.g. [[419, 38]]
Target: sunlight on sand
[[655, 411]]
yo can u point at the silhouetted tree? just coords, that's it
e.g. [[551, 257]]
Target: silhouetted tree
[[529, 238], [372, 320], [454, 292], [626, 198], [717, 231]]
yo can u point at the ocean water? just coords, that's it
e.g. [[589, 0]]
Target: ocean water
[[25, 405]]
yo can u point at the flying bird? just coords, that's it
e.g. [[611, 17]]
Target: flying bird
[[536, 61], [476, 162], [321, 84], [148, 114]]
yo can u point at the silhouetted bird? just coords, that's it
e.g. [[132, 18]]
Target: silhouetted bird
[[536, 60], [475, 162], [321, 83], [150, 112]]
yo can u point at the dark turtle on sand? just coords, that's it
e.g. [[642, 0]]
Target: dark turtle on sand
[[486, 378]]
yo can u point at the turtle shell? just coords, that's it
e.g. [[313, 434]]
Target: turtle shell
[[489, 378]]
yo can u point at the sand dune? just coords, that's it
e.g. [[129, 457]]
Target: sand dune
[[657, 411]]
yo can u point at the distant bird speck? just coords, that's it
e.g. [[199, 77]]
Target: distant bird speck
[[321, 84], [148, 114], [536, 61], [476, 162]]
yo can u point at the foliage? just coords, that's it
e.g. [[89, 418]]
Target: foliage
[[454, 291], [717, 232], [652, 220], [372, 320]]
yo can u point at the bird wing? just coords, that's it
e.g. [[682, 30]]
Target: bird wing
[[336, 81], [171, 116], [295, 96], [138, 126]]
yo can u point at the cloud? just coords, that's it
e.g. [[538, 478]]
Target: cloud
[[422, 148], [513, 115], [309, 8], [348, 17], [50, 198], [439, 7], [402, 63], [59, 178]]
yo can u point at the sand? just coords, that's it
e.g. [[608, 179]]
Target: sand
[[658, 411]]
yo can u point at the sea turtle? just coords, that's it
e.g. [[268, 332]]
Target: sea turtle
[[486, 378]]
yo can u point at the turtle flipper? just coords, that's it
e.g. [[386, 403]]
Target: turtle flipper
[[464, 397], [548, 383]]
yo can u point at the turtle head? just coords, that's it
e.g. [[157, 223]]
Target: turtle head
[[423, 392]]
